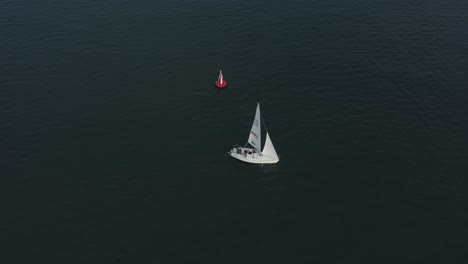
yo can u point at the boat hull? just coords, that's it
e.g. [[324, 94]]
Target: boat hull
[[248, 155]]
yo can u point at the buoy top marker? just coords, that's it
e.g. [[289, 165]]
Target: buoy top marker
[[221, 83]]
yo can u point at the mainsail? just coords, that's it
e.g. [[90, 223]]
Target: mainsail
[[255, 132], [268, 149]]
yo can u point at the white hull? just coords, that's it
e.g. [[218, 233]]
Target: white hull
[[256, 158]]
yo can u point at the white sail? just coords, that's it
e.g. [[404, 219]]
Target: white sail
[[255, 132], [269, 149]]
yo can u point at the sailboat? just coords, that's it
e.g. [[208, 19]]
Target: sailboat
[[255, 154]]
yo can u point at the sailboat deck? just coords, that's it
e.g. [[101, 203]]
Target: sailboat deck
[[251, 156]]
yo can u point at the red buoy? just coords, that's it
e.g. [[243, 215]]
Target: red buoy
[[221, 83]]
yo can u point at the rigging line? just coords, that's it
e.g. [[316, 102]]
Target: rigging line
[[263, 121]]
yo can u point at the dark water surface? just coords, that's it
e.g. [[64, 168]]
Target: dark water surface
[[113, 138]]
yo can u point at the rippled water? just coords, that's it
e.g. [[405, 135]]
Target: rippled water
[[114, 138]]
